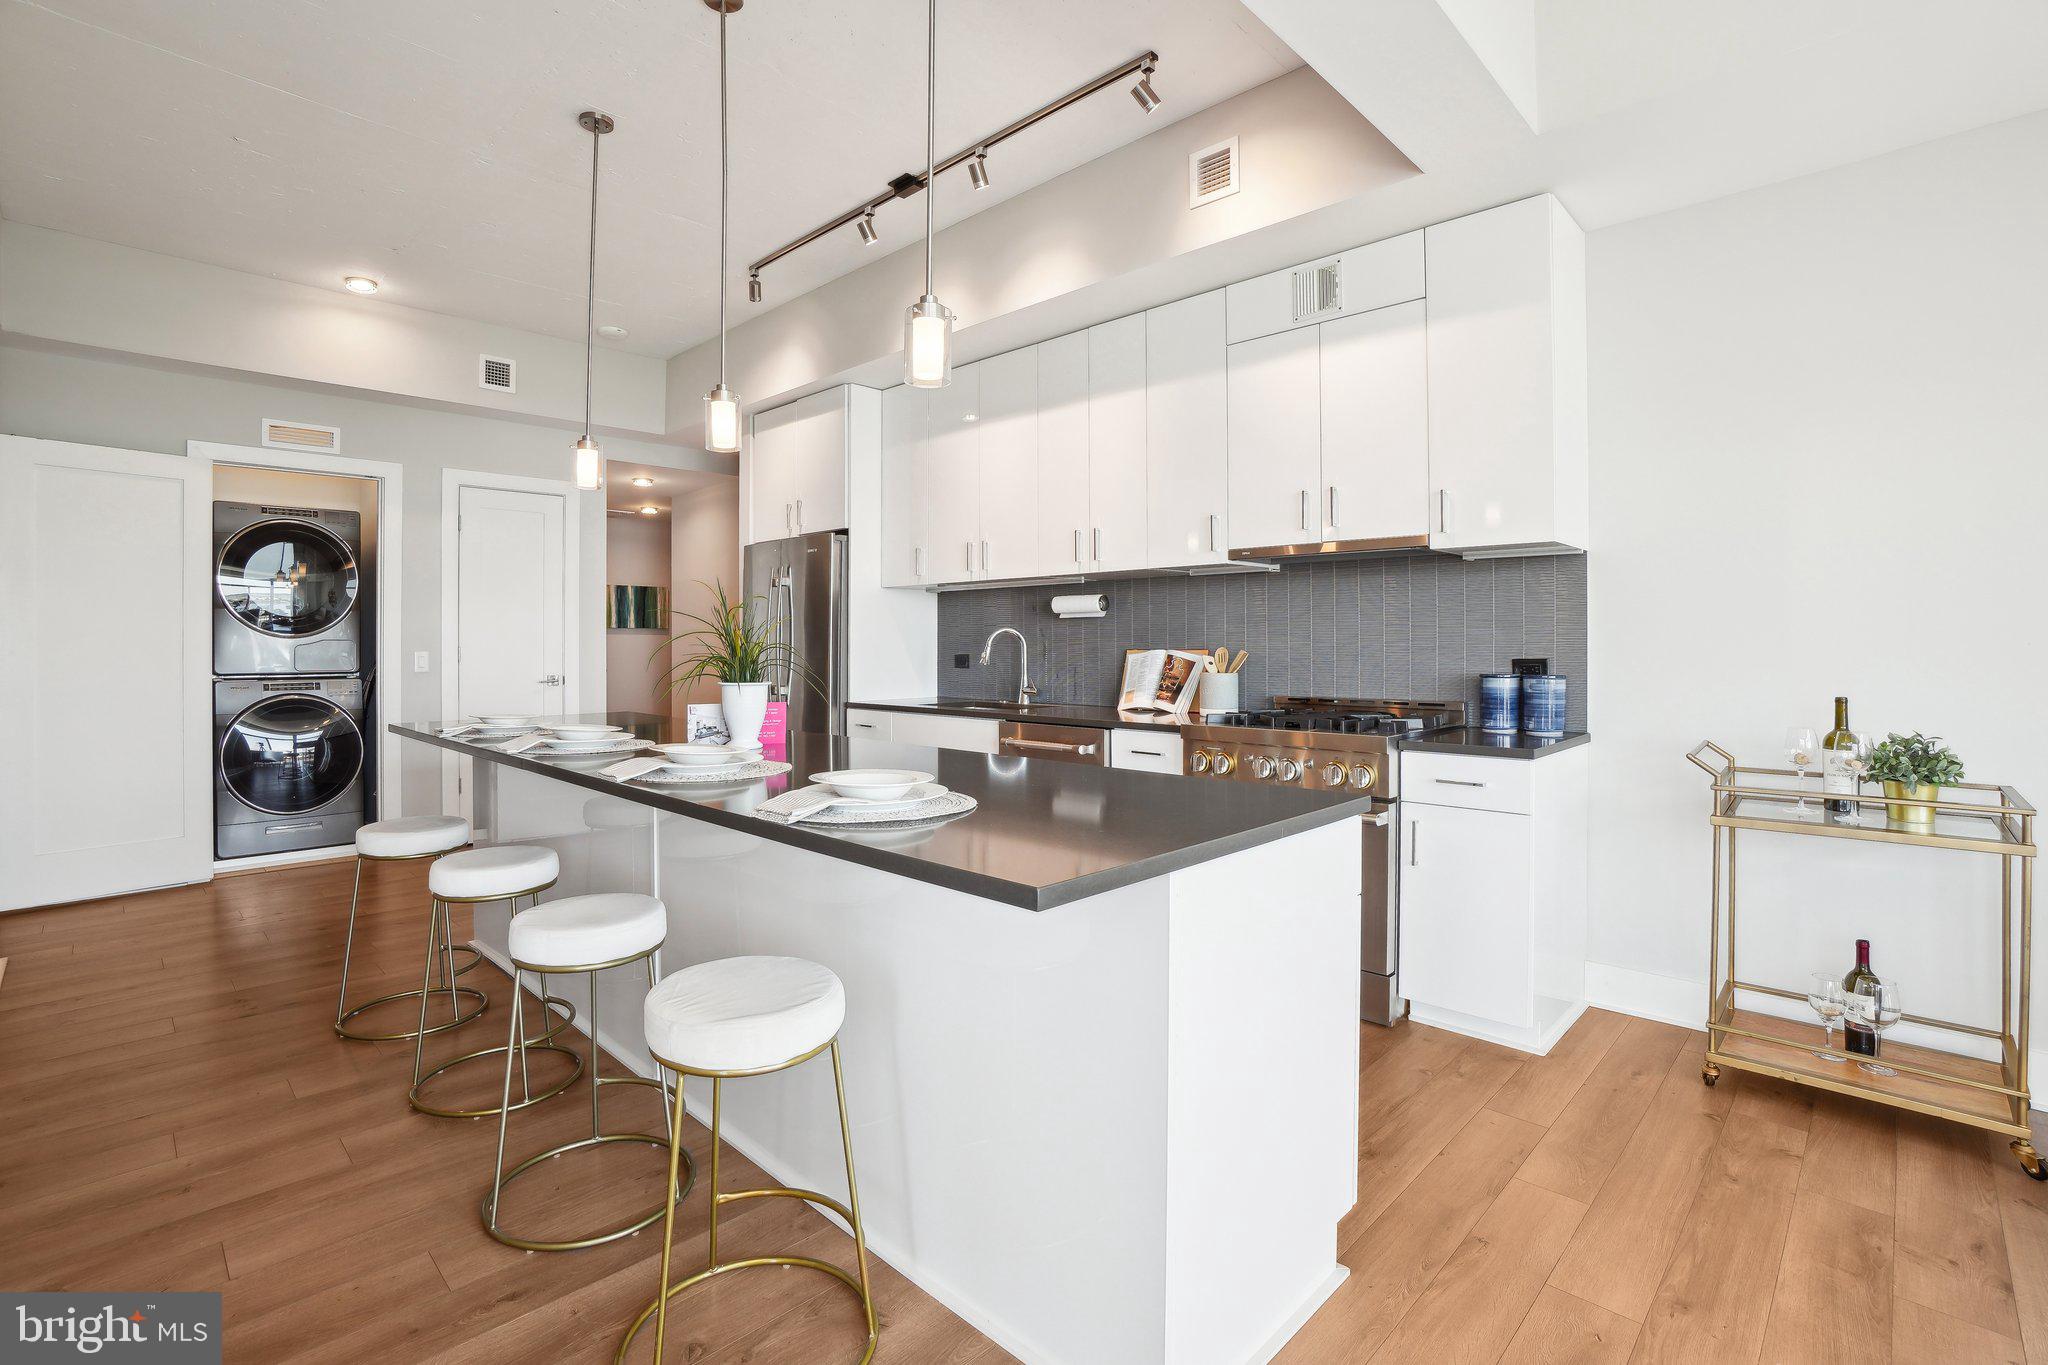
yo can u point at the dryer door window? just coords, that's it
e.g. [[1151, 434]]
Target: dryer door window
[[288, 755], [286, 578]]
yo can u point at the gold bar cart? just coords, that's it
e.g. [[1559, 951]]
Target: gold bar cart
[[1967, 818]]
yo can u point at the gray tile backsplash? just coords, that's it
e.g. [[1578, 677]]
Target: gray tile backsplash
[[1416, 626]]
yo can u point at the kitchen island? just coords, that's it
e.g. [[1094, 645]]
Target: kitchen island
[[1101, 1043]]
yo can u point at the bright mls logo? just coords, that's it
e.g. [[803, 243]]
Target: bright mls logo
[[169, 1329]]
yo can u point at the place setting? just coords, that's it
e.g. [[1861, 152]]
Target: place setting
[[699, 762], [499, 726], [867, 797], [573, 741]]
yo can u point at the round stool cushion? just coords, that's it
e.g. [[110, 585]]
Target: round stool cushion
[[482, 874], [582, 931], [744, 1013], [412, 836]]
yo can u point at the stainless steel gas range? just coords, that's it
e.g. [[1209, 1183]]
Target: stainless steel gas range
[[1335, 744]]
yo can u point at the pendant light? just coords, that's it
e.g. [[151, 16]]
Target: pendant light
[[589, 454], [722, 405], [928, 324]]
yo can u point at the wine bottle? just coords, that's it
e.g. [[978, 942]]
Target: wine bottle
[[1860, 1038], [1836, 749]]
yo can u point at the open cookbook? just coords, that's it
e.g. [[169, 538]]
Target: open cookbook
[[1161, 681]]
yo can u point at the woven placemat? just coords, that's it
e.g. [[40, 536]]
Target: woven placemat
[[853, 813], [745, 772]]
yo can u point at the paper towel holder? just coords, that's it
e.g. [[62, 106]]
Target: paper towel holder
[[1080, 606]]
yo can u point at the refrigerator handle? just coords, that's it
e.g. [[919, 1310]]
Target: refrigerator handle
[[788, 632]]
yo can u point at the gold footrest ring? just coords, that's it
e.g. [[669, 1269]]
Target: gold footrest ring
[[845, 1277], [341, 1031], [648, 1219], [539, 1044]]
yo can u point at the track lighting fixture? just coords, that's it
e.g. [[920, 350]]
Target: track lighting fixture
[[977, 169], [753, 289], [928, 324], [866, 228], [589, 454], [722, 405], [1143, 93]]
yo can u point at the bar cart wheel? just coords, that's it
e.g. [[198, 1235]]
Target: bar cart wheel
[[2030, 1160], [1711, 1073]]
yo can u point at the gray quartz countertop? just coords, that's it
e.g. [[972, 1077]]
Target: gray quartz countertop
[[1049, 713], [1044, 834], [1472, 740]]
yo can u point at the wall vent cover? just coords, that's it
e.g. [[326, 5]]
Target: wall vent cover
[[1318, 290], [279, 435], [1212, 173], [496, 372]]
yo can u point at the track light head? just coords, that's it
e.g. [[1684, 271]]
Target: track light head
[[977, 169], [866, 228], [1143, 93], [753, 289]]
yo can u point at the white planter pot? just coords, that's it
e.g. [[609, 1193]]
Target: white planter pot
[[745, 706]]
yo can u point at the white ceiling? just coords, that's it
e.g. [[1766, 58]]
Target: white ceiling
[[433, 144], [668, 485]]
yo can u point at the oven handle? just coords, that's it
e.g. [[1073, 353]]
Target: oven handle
[[1012, 741]]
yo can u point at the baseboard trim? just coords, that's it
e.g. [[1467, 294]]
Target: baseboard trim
[[263, 862]]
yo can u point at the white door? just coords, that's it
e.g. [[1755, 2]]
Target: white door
[[1275, 440], [1375, 395], [105, 592], [1063, 454], [1467, 914], [511, 599], [1009, 464], [1187, 443], [949, 477], [1116, 444]]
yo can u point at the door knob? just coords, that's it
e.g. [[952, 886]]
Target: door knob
[[553, 680]]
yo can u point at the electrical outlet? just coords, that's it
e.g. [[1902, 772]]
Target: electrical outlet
[[961, 660], [419, 661], [1524, 667]]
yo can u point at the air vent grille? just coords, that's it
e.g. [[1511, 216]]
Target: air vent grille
[[279, 435], [496, 372], [1318, 289], [1212, 173]]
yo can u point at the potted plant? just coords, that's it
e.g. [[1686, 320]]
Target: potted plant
[[1915, 767], [742, 647]]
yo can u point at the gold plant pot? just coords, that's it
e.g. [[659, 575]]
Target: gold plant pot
[[1916, 817]]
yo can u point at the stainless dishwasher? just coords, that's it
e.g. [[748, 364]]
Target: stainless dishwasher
[[1057, 743]]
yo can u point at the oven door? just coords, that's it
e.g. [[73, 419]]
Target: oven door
[[1379, 999]]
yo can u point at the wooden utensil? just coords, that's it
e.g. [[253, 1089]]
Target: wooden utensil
[[1222, 660], [1236, 663]]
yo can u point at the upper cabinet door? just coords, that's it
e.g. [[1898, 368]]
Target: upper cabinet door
[[950, 472], [1008, 422], [1187, 444], [798, 461], [770, 459], [1375, 395], [1116, 444], [1062, 436], [1507, 380], [905, 558], [1275, 440], [1376, 275], [1381, 274]]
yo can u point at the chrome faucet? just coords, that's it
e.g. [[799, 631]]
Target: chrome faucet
[[1025, 691]]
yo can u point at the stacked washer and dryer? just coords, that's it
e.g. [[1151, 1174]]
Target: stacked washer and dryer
[[289, 689]]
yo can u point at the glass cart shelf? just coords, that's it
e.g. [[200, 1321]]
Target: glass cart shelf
[[1967, 818]]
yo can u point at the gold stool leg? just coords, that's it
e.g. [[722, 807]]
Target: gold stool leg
[[348, 945], [860, 1239], [456, 1017]]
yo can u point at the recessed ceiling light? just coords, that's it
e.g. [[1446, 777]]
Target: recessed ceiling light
[[643, 482], [610, 329], [972, 417], [650, 511], [359, 284]]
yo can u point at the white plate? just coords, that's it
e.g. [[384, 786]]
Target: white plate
[[701, 755], [506, 722], [602, 745], [916, 796], [585, 731], [871, 784]]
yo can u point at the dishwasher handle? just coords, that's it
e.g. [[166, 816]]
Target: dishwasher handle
[[1016, 743]]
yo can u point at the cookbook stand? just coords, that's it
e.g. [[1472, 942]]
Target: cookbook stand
[[1951, 1085]]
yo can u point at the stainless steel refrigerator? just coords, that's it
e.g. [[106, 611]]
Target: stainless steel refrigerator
[[801, 582]]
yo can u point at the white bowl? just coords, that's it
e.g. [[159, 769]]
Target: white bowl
[[503, 722], [586, 731], [871, 784], [702, 755]]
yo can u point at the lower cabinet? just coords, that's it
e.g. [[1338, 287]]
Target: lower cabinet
[[912, 727], [1145, 751], [1493, 894]]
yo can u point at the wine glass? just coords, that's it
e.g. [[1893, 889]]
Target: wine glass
[[1824, 993], [1801, 744], [1877, 1006]]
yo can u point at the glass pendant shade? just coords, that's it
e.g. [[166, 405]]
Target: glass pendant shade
[[928, 344], [722, 421], [589, 465]]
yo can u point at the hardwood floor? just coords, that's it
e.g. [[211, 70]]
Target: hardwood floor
[[179, 1115]]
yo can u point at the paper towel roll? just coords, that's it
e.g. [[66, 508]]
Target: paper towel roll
[[1080, 604]]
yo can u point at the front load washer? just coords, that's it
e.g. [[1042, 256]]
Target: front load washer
[[284, 590], [287, 764]]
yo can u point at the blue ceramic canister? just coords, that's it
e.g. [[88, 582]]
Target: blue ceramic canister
[[1500, 698], [1543, 696]]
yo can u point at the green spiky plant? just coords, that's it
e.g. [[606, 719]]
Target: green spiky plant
[[737, 643]]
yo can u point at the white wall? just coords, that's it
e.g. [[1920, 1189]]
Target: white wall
[[637, 552], [704, 548], [1820, 458]]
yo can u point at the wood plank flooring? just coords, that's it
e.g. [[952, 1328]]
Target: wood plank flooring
[[179, 1115]]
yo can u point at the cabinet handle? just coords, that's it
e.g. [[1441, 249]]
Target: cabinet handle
[[1456, 782], [1077, 545], [1333, 506], [970, 556], [1213, 537], [1304, 509], [917, 561], [799, 514], [1148, 753], [984, 556], [788, 521], [1443, 510], [1414, 841], [1098, 544], [863, 725]]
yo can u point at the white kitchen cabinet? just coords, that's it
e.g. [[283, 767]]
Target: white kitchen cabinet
[[1507, 381], [865, 724], [942, 732], [1275, 440], [1145, 751], [797, 467], [1375, 426], [905, 558], [1364, 278], [949, 480], [1187, 443], [1116, 445], [1007, 429], [1062, 436], [1493, 894]]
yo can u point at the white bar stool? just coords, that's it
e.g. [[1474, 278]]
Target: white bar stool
[[403, 841], [585, 934], [480, 876], [748, 1016]]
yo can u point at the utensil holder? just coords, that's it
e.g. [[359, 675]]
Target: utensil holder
[[1216, 693]]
